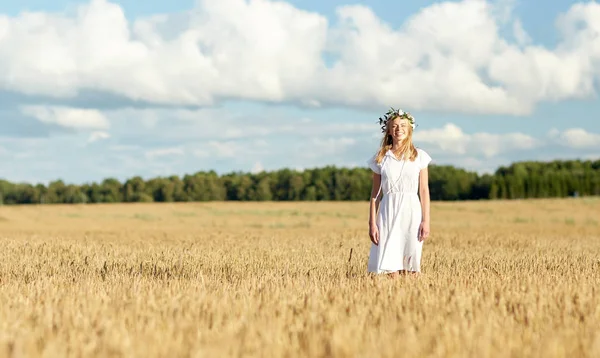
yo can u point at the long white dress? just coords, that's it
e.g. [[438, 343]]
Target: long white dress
[[399, 214]]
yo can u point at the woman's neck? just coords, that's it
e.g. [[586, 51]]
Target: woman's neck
[[397, 145]]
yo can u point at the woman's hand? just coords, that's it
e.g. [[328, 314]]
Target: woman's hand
[[374, 233], [423, 230]]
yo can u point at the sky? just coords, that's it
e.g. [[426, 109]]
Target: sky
[[97, 89]]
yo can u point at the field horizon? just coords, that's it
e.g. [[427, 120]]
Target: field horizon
[[501, 278]]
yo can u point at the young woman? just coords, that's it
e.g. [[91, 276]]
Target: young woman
[[401, 224]]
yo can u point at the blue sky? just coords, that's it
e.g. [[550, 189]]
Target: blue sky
[[97, 89]]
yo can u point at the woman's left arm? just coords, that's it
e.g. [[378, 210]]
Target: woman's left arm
[[425, 204]]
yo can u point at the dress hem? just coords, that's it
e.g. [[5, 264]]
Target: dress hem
[[389, 272]]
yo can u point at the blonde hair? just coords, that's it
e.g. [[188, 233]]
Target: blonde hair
[[407, 148]]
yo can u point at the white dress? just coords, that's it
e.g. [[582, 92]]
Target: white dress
[[399, 214]]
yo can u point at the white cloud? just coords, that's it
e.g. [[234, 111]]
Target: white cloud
[[449, 138], [98, 135], [200, 153], [493, 144], [261, 143], [231, 149], [257, 168], [320, 147], [124, 148], [576, 138], [165, 152], [503, 9], [448, 56], [520, 34], [259, 139], [452, 139], [553, 133], [74, 118], [479, 165], [324, 144], [227, 149], [227, 126]]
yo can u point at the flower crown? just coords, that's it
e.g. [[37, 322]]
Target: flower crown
[[392, 114]]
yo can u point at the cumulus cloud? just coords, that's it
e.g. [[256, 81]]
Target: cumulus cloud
[[331, 146], [228, 149], [247, 136], [238, 150], [448, 56], [74, 118], [451, 139], [98, 136], [576, 138], [257, 168], [520, 34], [225, 125], [200, 153], [165, 152]]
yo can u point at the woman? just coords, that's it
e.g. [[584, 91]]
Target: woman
[[401, 225]]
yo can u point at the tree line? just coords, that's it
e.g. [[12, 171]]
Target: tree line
[[520, 180]]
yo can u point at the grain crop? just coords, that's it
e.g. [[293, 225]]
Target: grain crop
[[500, 279]]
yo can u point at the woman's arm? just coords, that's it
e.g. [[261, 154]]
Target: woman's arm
[[425, 203], [373, 204], [374, 198]]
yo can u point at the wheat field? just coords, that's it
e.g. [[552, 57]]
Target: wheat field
[[500, 279]]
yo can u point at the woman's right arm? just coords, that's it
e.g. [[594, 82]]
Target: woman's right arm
[[373, 204]]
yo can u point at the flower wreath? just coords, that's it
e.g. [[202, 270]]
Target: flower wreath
[[392, 114]]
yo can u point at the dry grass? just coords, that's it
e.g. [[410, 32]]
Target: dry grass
[[501, 279]]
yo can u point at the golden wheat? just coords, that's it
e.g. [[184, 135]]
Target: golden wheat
[[500, 279]]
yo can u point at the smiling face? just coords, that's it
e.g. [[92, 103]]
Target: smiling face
[[399, 129]]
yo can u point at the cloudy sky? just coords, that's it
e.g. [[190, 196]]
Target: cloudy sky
[[99, 88]]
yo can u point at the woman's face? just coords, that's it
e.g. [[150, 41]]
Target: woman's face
[[398, 129]]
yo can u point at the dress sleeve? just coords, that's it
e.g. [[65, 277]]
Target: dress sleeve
[[424, 160], [375, 167]]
